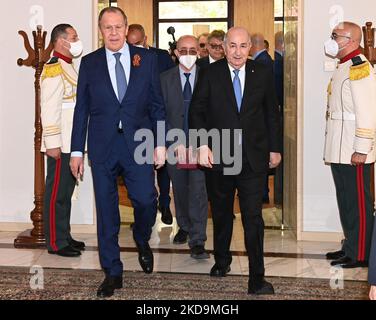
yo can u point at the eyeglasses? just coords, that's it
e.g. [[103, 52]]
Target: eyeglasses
[[216, 46], [202, 45], [334, 36], [184, 52]]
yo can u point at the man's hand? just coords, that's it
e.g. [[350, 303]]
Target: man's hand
[[160, 157], [77, 167], [372, 293], [275, 160], [54, 153], [358, 159], [205, 157]]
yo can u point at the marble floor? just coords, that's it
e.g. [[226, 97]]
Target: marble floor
[[284, 256]]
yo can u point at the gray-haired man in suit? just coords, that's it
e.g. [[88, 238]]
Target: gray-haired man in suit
[[188, 185]]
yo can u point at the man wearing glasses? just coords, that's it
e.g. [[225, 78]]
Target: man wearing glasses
[[203, 42], [215, 48], [191, 201], [350, 142]]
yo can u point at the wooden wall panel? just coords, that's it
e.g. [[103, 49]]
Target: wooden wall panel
[[256, 16], [141, 12]]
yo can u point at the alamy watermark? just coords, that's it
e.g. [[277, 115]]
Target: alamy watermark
[[225, 144]]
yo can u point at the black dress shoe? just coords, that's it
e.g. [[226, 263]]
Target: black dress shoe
[[335, 255], [181, 237], [166, 215], [263, 287], [145, 258], [340, 261], [355, 264], [348, 263], [67, 251], [108, 286], [218, 271], [199, 253], [77, 244]]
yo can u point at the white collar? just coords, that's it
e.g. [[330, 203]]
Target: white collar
[[232, 68], [124, 50]]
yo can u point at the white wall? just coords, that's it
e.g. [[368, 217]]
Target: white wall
[[17, 103], [319, 202]]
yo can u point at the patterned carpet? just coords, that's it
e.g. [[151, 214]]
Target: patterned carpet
[[62, 284]]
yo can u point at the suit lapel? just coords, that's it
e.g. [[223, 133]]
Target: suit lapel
[[176, 86], [196, 75], [133, 72], [227, 80], [107, 78], [249, 82]]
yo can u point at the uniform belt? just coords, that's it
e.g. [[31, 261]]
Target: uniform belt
[[69, 105], [345, 116]]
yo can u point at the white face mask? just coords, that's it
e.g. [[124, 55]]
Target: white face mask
[[332, 48], [188, 61], [76, 48]]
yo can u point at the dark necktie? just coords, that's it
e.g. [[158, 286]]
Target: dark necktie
[[187, 95]]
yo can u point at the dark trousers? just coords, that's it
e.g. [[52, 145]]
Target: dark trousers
[[221, 189], [163, 180], [60, 185], [139, 181], [355, 208]]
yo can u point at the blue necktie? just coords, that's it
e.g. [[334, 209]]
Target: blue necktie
[[121, 79], [237, 89], [187, 95]]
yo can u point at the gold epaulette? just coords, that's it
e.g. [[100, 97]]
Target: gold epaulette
[[360, 71], [52, 70]]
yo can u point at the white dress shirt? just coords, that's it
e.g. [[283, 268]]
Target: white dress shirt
[[125, 60], [211, 60], [242, 83], [192, 77], [241, 76]]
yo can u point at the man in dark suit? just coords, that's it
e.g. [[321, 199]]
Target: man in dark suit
[[258, 51], [238, 94], [136, 36], [279, 86], [215, 49], [203, 43], [260, 54], [278, 66], [191, 201], [119, 91]]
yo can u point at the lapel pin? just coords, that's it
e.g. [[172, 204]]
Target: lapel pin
[[136, 60]]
